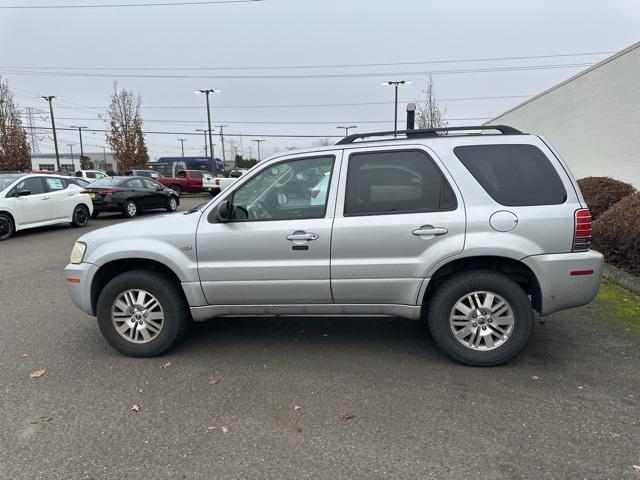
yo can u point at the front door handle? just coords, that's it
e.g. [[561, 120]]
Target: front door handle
[[301, 235], [45, 198], [430, 230]]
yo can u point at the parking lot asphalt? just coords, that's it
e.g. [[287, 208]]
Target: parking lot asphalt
[[566, 408]]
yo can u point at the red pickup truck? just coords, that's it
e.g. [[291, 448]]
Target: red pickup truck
[[189, 181]]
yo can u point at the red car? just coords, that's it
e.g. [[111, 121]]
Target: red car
[[189, 181]]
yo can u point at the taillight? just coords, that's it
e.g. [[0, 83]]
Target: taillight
[[582, 228], [314, 192], [104, 193]]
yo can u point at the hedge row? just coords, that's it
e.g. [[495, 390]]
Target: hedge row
[[615, 208]]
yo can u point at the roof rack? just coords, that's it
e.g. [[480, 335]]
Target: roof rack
[[429, 132]]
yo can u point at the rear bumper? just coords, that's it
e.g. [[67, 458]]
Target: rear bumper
[[78, 278], [566, 280]]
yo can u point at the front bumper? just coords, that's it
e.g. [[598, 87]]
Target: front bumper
[[566, 280], [78, 278]]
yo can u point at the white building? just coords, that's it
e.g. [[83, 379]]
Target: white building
[[47, 161], [593, 118]]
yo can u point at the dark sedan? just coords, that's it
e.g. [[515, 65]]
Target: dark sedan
[[130, 195]]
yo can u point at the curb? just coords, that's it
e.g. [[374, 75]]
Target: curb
[[622, 278]]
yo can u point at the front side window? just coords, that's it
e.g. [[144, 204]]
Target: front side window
[[406, 181], [33, 185], [100, 175], [514, 175], [284, 191]]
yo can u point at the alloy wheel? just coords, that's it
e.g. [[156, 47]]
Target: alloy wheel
[[482, 320], [137, 316]]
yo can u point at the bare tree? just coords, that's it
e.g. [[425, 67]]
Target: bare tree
[[322, 142], [125, 124], [429, 113], [14, 149]]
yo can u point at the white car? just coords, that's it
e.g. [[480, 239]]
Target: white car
[[319, 191], [36, 200], [218, 184], [91, 175]]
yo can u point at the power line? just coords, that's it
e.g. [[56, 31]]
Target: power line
[[270, 122], [302, 105], [343, 65], [148, 132], [298, 76], [120, 5]]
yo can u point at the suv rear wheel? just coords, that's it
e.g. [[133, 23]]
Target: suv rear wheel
[[142, 313], [482, 318], [6, 226]]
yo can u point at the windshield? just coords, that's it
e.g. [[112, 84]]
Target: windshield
[[107, 182], [6, 180]]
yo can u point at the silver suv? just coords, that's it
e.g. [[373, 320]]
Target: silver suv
[[469, 230]]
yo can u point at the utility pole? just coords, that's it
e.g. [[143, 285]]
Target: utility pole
[[258, 141], [49, 99], [347, 128], [224, 159], [104, 157], [206, 92], [81, 150], [396, 84], [182, 140]]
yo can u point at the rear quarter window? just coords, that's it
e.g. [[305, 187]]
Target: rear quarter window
[[514, 175]]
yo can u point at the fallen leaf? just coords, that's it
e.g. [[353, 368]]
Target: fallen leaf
[[213, 380], [140, 391], [38, 373], [224, 429], [24, 355], [535, 378], [296, 407], [614, 434], [166, 365], [136, 408], [637, 467], [40, 420], [346, 416]]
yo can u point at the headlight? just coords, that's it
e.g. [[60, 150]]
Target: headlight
[[77, 254]]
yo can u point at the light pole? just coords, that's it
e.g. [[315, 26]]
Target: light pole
[[81, 150], [49, 98], [71, 147], [347, 128], [182, 140], [396, 84], [206, 92], [206, 154], [258, 141], [104, 157]]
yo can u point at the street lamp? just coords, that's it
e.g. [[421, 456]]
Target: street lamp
[[206, 92], [206, 154], [347, 128], [49, 98], [396, 83], [71, 147], [258, 141], [81, 150], [182, 140]]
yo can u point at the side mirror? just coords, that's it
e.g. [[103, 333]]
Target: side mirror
[[23, 193], [159, 188], [223, 212]]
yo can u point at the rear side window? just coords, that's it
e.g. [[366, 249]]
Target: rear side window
[[55, 184], [395, 182], [514, 175]]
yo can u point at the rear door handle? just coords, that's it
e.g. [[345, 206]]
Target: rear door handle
[[430, 230], [300, 235], [45, 198]]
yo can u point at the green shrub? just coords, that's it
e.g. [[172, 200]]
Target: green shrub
[[601, 193], [617, 234]]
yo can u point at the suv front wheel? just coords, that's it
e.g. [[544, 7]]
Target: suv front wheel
[[482, 318], [142, 313]]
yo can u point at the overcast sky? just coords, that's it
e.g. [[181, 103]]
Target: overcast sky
[[204, 40]]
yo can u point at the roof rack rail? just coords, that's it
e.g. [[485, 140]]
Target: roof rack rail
[[429, 132]]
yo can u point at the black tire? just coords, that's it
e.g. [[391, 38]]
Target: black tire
[[214, 191], [130, 209], [177, 189], [80, 216], [7, 228], [171, 299], [453, 289], [95, 214], [172, 205]]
